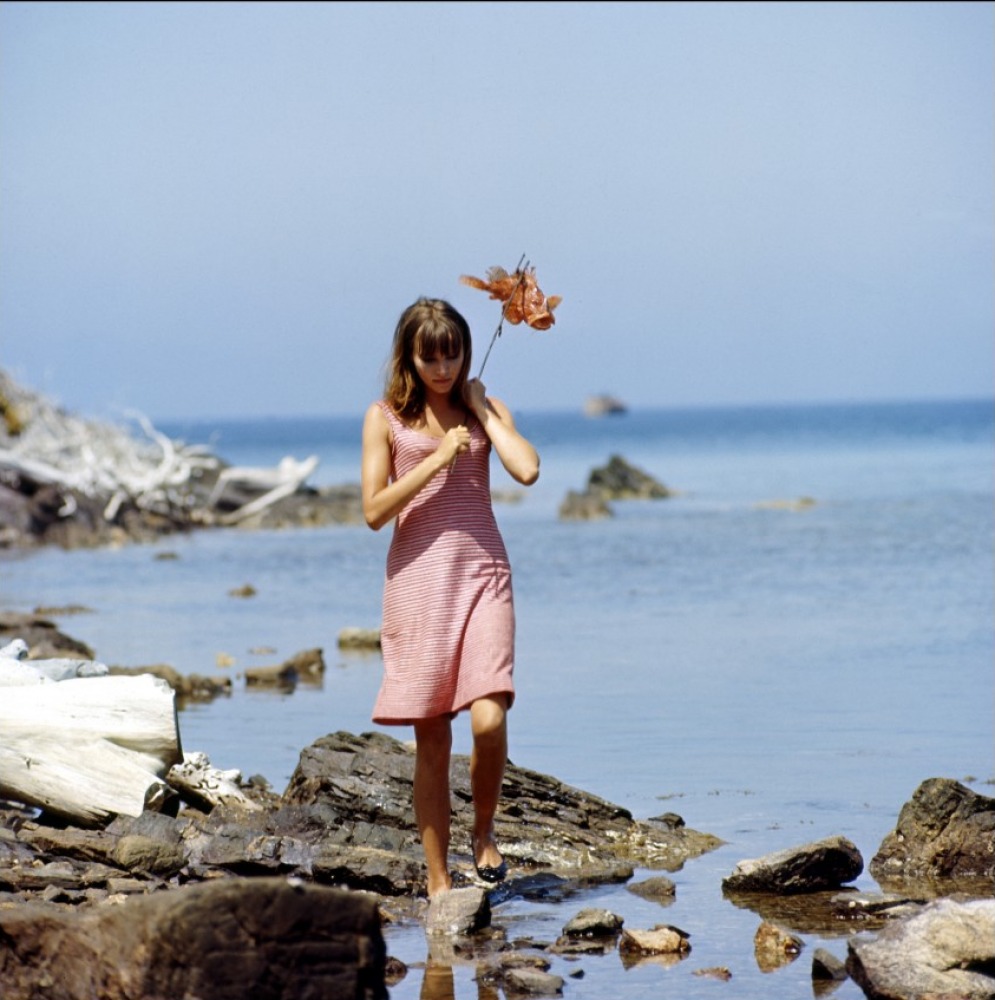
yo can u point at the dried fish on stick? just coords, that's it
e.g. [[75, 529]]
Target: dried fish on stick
[[523, 300]]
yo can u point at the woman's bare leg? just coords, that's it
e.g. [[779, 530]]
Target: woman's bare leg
[[433, 807], [489, 725]]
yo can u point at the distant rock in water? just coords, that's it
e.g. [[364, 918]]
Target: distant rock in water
[[603, 406], [618, 480]]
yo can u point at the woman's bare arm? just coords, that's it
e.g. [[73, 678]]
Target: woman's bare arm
[[517, 454]]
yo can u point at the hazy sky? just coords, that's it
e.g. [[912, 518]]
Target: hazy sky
[[220, 209]]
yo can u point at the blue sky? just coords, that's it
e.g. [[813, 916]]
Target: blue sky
[[220, 209]]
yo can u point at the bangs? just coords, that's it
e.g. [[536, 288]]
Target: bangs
[[438, 338]]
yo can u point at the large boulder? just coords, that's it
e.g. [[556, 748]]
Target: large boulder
[[543, 826], [946, 951], [945, 831], [224, 940]]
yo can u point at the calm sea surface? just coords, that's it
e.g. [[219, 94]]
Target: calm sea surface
[[774, 674]]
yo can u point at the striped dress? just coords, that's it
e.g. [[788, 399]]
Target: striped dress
[[448, 629]]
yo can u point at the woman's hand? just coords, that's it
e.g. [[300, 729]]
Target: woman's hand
[[456, 441]]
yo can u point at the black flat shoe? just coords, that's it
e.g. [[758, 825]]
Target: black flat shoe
[[493, 875]]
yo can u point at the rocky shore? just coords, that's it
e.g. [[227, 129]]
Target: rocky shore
[[299, 888]]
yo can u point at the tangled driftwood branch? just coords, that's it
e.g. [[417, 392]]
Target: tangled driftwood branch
[[136, 465]]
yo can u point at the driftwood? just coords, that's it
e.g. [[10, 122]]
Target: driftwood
[[91, 462], [96, 459], [89, 748], [205, 786], [264, 485]]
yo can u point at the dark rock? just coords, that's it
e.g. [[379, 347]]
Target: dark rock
[[619, 480], [532, 983], [825, 864], [44, 639], [658, 889], [945, 831], [227, 940], [583, 507], [359, 638], [188, 687], [542, 825]]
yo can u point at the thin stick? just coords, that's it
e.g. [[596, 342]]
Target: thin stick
[[497, 333]]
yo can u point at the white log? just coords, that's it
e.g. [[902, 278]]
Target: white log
[[288, 472], [88, 748]]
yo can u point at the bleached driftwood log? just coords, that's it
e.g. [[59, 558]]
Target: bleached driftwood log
[[89, 748], [274, 484], [202, 784]]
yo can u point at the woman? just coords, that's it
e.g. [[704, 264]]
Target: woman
[[448, 627]]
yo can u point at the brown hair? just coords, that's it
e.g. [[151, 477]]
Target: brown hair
[[425, 328]]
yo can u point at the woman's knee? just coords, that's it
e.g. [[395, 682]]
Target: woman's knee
[[488, 717], [434, 739]]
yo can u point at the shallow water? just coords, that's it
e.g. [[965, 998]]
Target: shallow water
[[773, 675]]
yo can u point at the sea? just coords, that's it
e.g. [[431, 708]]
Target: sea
[[781, 651]]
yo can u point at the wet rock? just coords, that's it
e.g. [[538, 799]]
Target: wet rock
[[591, 932], [359, 638], [825, 864], [594, 923], [583, 507], [308, 664], [532, 983], [283, 676], [542, 824], [188, 687], [660, 940], [947, 950], [714, 972], [659, 889], [459, 911], [618, 480], [263, 938], [826, 967], [945, 831]]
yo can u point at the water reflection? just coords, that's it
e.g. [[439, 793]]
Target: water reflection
[[439, 983]]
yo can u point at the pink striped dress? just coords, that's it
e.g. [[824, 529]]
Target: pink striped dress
[[448, 629]]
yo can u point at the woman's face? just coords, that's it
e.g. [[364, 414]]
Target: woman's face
[[440, 371]]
